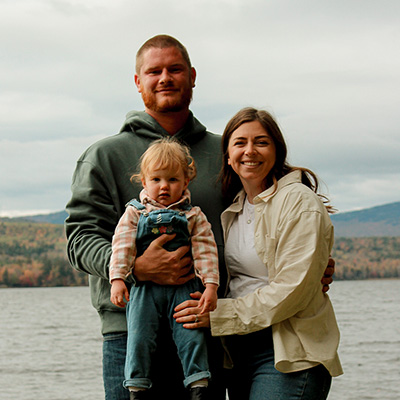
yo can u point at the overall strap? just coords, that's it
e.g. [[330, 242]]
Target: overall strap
[[186, 206], [137, 204]]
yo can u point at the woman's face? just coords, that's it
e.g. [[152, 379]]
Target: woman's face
[[252, 155]]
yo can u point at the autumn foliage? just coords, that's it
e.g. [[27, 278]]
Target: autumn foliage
[[34, 254], [367, 257]]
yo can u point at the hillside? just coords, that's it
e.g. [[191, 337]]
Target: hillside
[[33, 254], [367, 258], [52, 218], [377, 221]]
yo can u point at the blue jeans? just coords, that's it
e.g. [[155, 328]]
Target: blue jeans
[[114, 354], [166, 368], [149, 305], [254, 376]]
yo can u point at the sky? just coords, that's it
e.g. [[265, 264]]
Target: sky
[[328, 70]]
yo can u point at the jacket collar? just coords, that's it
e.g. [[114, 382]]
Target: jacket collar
[[266, 195], [290, 178]]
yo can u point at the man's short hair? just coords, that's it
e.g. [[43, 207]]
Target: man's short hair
[[161, 42]]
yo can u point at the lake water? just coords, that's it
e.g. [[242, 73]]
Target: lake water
[[50, 343]]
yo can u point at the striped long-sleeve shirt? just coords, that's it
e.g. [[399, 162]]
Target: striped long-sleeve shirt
[[203, 246]]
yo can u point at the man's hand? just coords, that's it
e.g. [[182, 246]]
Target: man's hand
[[328, 274], [162, 266]]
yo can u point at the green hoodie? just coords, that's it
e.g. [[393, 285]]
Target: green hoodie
[[101, 188]]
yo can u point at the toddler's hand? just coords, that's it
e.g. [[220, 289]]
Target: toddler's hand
[[118, 292], [208, 300]]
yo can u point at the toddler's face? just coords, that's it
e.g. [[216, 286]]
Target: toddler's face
[[165, 186]]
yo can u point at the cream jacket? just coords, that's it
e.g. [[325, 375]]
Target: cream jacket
[[294, 237]]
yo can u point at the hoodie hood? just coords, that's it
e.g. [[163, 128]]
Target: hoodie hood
[[142, 124]]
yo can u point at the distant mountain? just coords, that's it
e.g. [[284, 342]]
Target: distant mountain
[[381, 220], [52, 218], [377, 221]]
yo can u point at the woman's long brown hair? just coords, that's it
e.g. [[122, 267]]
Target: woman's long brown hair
[[230, 181]]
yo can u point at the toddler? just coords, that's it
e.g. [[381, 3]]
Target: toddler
[[166, 169]]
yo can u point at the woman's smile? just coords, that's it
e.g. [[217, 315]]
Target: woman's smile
[[252, 155]]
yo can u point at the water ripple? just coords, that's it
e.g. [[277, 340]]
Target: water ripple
[[50, 342]]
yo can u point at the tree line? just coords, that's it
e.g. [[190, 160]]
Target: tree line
[[367, 258], [34, 255]]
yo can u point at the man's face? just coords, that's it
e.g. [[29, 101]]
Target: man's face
[[165, 80]]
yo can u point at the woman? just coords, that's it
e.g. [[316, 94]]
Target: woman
[[279, 329]]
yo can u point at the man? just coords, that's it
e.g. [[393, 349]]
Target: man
[[101, 188]]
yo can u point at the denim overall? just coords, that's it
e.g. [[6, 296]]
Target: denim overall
[[158, 222], [151, 304]]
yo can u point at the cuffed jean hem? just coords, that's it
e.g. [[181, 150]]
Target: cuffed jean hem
[[198, 376], [144, 383]]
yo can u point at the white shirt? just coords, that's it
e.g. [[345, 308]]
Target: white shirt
[[247, 271]]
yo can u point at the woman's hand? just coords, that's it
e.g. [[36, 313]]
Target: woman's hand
[[188, 313]]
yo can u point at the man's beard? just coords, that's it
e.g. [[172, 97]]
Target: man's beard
[[168, 105]]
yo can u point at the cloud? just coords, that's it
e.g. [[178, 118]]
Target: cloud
[[362, 191], [36, 175], [329, 72], [43, 113]]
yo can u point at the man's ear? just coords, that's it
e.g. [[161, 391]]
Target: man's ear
[[137, 83], [193, 74]]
